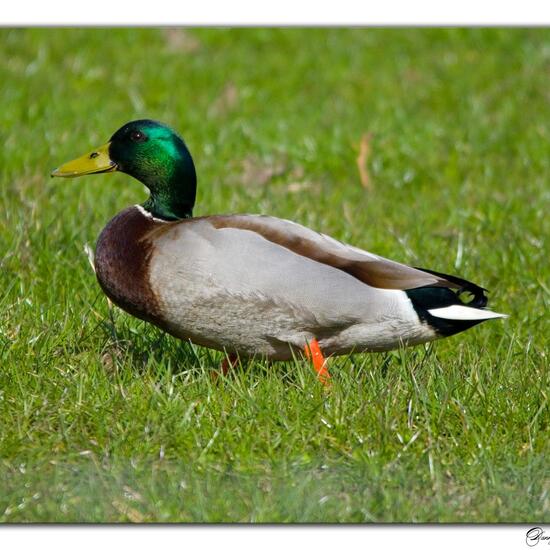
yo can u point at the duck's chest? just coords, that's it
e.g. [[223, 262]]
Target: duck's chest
[[122, 263]]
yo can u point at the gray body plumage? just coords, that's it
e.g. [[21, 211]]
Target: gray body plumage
[[230, 288]]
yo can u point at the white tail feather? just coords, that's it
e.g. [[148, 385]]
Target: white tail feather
[[464, 313]]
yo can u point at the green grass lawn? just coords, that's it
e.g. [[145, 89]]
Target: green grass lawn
[[105, 418]]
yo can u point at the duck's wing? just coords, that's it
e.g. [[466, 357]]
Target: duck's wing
[[374, 270]]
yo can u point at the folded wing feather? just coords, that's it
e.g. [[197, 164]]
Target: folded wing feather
[[369, 268]]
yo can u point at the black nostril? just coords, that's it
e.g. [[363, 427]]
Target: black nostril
[[94, 155]]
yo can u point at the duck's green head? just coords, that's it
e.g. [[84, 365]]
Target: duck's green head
[[152, 153]]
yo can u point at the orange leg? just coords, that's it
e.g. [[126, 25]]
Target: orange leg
[[226, 365], [313, 352], [229, 363]]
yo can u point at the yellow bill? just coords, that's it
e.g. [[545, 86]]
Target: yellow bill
[[93, 162]]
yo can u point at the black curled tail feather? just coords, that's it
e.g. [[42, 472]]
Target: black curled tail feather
[[440, 296], [479, 299]]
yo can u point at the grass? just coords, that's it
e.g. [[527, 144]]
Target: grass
[[104, 418]]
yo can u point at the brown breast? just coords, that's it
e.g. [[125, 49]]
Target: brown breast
[[122, 258]]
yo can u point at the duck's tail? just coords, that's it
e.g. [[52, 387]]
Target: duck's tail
[[458, 312], [444, 310]]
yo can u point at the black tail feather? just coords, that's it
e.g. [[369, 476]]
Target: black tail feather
[[479, 299], [440, 296], [433, 297]]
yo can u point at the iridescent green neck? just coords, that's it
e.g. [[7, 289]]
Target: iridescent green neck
[[172, 199], [172, 186]]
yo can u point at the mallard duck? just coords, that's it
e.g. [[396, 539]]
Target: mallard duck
[[254, 285]]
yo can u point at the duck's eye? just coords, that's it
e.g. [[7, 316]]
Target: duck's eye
[[137, 136]]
